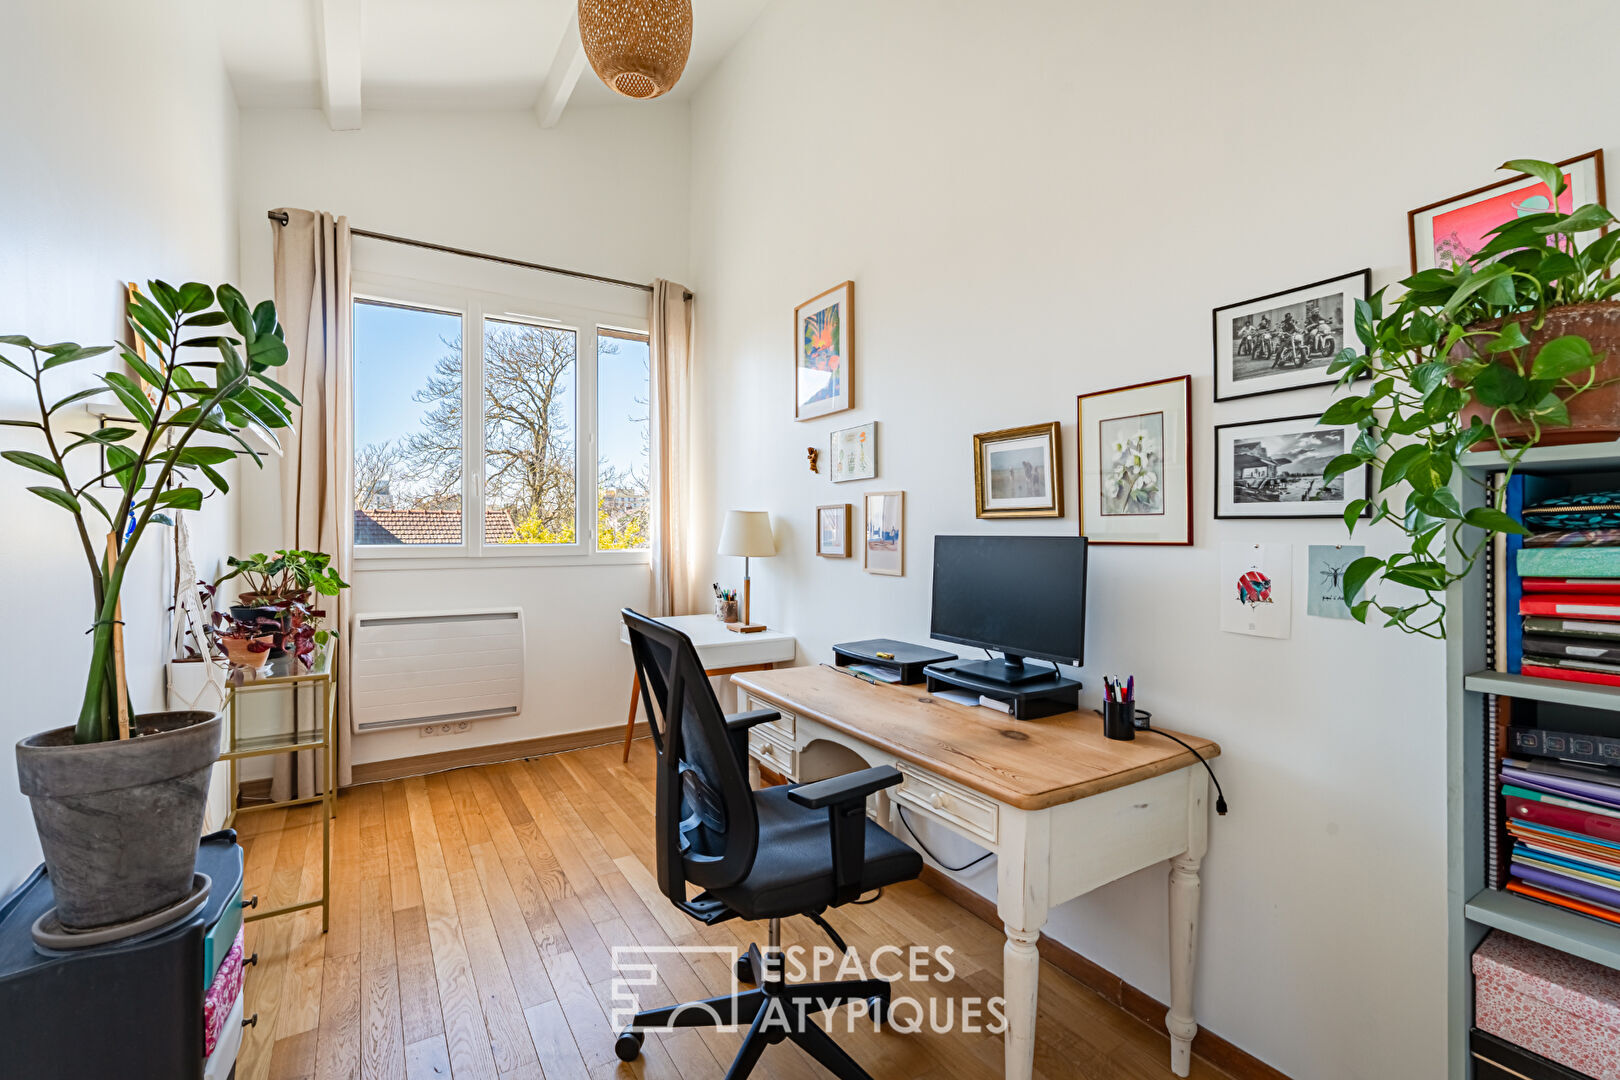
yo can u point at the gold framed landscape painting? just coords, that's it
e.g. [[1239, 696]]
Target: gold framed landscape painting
[[824, 353], [1018, 472], [1136, 463]]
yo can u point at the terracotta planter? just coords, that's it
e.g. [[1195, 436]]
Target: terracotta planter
[[1593, 416], [241, 653], [118, 821]]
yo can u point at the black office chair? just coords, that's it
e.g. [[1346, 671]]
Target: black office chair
[[756, 855]]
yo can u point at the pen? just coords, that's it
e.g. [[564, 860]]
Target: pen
[[1130, 689]]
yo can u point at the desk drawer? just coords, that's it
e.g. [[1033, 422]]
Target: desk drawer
[[783, 727], [935, 795], [769, 750]]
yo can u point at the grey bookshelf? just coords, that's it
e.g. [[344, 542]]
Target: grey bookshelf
[[1473, 908]]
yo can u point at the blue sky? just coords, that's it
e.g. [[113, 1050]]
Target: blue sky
[[394, 353]]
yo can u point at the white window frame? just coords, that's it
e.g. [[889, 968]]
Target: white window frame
[[474, 306]]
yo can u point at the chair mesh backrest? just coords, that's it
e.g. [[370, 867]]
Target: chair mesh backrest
[[707, 831]]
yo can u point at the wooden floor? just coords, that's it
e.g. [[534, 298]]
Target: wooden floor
[[473, 917]]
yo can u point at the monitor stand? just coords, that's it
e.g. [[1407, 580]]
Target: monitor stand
[[1010, 670]]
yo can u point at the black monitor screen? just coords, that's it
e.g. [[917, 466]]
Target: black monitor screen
[[1024, 595]]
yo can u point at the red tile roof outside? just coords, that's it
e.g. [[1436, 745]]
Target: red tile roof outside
[[427, 527]]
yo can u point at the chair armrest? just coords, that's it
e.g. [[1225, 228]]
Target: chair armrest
[[742, 721], [849, 788]]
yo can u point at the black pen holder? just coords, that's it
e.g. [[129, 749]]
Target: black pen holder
[[1119, 720]]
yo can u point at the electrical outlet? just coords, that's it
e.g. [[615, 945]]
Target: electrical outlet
[[463, 727]]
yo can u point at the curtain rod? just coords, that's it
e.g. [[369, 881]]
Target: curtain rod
[[281, 219]]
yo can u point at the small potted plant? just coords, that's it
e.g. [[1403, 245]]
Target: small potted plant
[[118, 798], [247, 642], [281, 586], [1519, 346]]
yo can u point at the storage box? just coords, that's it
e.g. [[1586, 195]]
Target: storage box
[[1553, 1004], [1498, 1059]]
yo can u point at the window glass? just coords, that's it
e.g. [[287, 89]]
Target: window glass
[[407, 425], [624, 436], [530, 463]]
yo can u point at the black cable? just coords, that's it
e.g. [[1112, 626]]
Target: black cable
[[936, 858], [1220, 796]]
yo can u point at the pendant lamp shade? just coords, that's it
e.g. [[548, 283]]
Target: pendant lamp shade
[[637, 47]]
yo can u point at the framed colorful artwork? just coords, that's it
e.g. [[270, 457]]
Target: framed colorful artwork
[[1274, 469], [1018, 472], [854, 453], [832, 531], [1286, 340], [1446, 233], [884, 545], [1256, 589], [1136, 463], [824, 353]]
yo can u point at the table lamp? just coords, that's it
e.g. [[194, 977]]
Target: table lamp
[[747, 533]]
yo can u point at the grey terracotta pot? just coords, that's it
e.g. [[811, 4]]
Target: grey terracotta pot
[[119, 821]]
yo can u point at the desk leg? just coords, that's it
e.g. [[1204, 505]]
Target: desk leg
[[630, 724], [1184, 890], [1023, 895]]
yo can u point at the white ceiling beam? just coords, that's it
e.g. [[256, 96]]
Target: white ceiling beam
[[563, 75], [337, 33]]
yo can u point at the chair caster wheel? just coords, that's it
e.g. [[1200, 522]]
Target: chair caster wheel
[[878, 1009], [745, 970], [628, 1045]]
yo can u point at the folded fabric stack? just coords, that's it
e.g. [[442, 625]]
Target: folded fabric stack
[[1565, 823], [1569, 580]]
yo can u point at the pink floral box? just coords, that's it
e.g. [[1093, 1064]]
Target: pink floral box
[[1553, 1004], [221, 996]]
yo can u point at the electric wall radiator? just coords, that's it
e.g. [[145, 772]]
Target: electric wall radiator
[[435, 667]]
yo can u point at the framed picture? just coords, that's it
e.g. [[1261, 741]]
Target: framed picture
[[1286, 340], [832, 531], [1446, 233], [1136, 463], [885, 542], [824, 353], [1018, 472], [1273, 469], [854, 453], [1256, 589]]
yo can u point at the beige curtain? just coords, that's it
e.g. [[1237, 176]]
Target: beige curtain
[[670, 321], [314, 299]]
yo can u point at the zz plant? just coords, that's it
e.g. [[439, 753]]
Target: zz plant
[[1445, 364], [206, 374]]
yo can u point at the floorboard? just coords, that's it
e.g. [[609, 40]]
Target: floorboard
[[475, 919]]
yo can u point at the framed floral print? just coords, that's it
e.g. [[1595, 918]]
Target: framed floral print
[[1136, 463], [824, 353]]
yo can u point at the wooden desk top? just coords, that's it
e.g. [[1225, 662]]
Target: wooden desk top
[[1029, 764]]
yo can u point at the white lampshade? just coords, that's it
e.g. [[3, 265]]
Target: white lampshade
[[747, 533]]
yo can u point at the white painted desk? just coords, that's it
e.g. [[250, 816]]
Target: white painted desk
[[720, 651], [1064, 809]]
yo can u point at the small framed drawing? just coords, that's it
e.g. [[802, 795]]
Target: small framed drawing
[[824, 353], [885, 541], [1136, 463], [1286, 340], [1018, 472], [854, 453], [1447, 233], [832, 531], [1273, 469]]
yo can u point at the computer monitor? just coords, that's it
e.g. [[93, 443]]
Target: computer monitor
[[1022, 596]]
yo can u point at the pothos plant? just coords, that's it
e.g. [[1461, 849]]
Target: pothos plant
[[206, 374], [1447, 362]]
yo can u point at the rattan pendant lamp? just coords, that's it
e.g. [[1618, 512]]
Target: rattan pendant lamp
[[637, 47]]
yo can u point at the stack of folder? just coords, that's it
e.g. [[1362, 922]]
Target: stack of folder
[[1564, 820], [1569, 596]]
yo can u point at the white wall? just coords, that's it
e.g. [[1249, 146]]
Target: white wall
[[1039, 199], [606, 192], [118, 132]]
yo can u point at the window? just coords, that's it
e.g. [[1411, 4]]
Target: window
[[407, 425], [479, 433], [623, 425]]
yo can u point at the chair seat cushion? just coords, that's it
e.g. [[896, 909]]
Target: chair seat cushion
[[793, 870]]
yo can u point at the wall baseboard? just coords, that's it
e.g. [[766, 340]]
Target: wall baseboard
[[376, 771], [1235, 1061], [249, 792]]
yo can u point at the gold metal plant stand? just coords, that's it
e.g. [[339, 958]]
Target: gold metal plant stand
[[285, 676]]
